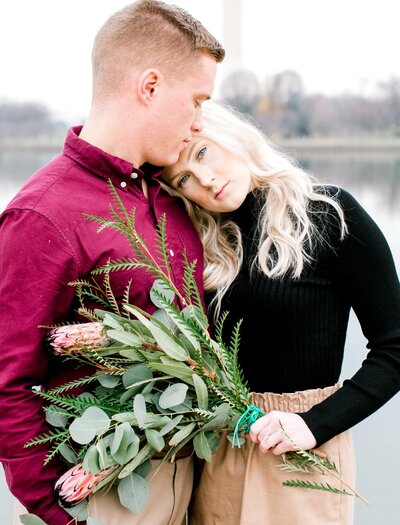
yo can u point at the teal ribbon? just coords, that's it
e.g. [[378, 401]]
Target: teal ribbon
[[250, 416]]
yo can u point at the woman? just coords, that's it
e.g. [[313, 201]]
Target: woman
[[290, 257]]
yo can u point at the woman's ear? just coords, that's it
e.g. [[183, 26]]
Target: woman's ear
[[149, 85]]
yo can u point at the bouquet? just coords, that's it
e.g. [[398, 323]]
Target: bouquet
[[160, 383]]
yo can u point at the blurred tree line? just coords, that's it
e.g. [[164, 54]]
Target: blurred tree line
[[282, 108], [26, 120]]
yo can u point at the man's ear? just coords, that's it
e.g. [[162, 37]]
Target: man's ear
[[149, 85]]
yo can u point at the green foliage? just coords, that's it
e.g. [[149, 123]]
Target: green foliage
[[155, 388]]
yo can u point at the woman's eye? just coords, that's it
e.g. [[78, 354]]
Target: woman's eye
[[201, 153], [183, 180]]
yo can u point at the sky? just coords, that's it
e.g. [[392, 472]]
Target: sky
[[340, 46]]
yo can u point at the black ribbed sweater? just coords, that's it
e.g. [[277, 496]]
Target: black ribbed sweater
[[294, 330]]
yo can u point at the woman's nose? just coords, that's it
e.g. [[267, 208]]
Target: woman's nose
[[206, 179]]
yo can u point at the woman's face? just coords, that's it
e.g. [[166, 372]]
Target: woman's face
[[212, 177]]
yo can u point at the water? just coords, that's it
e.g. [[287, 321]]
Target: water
[[374, 179]]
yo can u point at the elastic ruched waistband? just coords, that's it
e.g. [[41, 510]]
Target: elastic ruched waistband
[[300, 401]]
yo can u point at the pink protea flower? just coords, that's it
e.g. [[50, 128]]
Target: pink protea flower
[[71, 339], [76, 484]]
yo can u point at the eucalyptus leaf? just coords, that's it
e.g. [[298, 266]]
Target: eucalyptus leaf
[[139, 408], [67, 453], [104, 449], [160, 287], [124, 438], [90, 462], [221, 416], [143, 455], [111, 322], [124, 337], [108, 381], [202, 447], [92, 422], [81, 432], [133, 492], [154, 439], [144, 469], [197, 314], [168, 344], [54, 419], [181, 434], [31, 519], [173, 395], [122, 417], [162, 316], [132, 354], [78, 511], [201, 391], [179, 370], [214, 440], [172, 423], [136, 374]]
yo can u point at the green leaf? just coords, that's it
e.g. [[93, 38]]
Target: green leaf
[[31, 519], [173, 395], [91, 460], [92, 422], [221, 416], [163, 289], [104, 449], [133, 492], [143, 455], [111, 321], [78, 511], [201, 391], [144, 469], [179, 370], [165, 341], [162, 316], [214, 440], [154, 439], [54, 419], [67, 453], [125, 444], [196, 313], [126, 338], [202, 447], [108, 381], [182, 434], [132, 354], [172, 423], [139, 408], [136, 374]]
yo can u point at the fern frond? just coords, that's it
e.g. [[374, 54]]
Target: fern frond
[[161, 244], [326, 487], [110, 294], [73, 384], [52, 435], [189, 282]]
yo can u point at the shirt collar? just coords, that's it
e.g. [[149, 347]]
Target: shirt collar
[[102, 163]]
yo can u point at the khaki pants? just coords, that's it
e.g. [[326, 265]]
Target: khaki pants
[[170, 493], [244, 487]]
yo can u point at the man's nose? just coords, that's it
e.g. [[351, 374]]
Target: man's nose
[[197, 124]]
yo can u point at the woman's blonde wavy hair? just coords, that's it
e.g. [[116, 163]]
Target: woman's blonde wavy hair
[[288, 197]]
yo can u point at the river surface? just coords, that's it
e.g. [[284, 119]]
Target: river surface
[[374, 179]]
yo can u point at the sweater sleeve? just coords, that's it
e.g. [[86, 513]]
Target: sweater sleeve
[[35, 266], [367, 276]]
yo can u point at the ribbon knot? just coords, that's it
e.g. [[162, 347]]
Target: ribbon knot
[[250, 416]]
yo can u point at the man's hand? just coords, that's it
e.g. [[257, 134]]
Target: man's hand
[[267, 431]]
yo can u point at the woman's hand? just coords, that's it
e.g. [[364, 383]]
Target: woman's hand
[[267, 431]]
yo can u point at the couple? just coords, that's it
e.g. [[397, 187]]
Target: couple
[[288, 255]]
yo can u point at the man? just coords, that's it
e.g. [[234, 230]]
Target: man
[[153, 66]]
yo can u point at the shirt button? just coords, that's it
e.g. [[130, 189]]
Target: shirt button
[[123, 184], [134, 175], [171, 253]]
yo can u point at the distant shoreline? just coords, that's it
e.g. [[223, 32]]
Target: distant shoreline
[[303, 144]]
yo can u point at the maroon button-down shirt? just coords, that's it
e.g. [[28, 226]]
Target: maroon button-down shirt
[[45, 242]]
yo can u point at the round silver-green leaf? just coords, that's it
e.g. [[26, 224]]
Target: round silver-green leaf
[[133, 492]]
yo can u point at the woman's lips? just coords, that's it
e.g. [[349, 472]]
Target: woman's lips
[[221, 192]]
